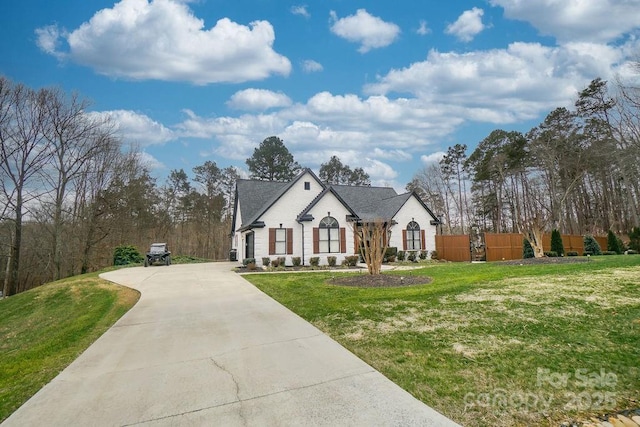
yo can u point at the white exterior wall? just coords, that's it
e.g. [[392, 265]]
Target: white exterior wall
[[285, 212], [237, 241], [413, 210], [329, 203]]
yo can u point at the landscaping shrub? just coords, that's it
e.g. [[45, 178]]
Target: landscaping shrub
[[591, 245], [282, 260], [609, 253], [266, 261], [423, 255], [296, 260], [401, 256], [331, 260], [314, 261], [556, 242], [613, 244], [126, 254], [572, 253], [412, 256], [527, 250], [390, 254], [352, 260], [275, 262], [249, 263], [551, 254], [434, 255]]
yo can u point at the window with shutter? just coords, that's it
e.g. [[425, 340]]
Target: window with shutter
[[329, 235], [413, 237]]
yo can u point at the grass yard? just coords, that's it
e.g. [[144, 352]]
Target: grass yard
[[491, 344], [43, 330]]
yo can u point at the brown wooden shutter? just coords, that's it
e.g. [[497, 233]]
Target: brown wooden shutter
[[343, 240], [423, 239], [272, 241], [404, 240], [289, 241], [316, 240]]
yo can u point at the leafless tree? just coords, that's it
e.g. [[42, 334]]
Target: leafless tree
[[24, 153], [373, 236]]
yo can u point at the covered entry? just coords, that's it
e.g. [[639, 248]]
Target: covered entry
[[249, 242]]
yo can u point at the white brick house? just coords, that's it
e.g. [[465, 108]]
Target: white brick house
[[306, 218]]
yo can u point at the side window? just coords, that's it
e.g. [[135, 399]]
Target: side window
[[329, 237], [413, 236], [281, 241]]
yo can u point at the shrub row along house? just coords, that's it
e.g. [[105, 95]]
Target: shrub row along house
[[306, 218]]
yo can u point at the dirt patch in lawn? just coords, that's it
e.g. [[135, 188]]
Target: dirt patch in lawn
[[378, 280], [546, 260]]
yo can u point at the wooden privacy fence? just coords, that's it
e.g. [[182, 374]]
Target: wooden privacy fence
[[453, 248], [502, 246]]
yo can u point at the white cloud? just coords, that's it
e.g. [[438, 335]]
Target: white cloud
[[138, 129], [423, 30], [258, 100], [388, 131], [300, 10], [396, 155], [432, 158], [311, 66], [380, 171], [163, 40], [576, 20], [48, 40], [468, 25], [370, 31], [150, 162], [502, 85]]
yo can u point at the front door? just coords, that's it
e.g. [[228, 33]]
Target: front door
[[248, 245]]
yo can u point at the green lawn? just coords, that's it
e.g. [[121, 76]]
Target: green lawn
[[43, 330], [491, 344]]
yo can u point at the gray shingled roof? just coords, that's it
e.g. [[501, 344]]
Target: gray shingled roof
[[369, 202], [254, 196]]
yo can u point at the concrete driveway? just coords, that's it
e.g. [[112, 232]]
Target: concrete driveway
[[205, 347]]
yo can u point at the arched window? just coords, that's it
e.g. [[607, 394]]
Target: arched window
[[413, 236], [329, 237]]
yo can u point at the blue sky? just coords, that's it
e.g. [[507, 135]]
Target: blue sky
[[384, 85]]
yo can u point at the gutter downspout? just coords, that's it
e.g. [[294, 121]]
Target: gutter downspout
[[302, 224]]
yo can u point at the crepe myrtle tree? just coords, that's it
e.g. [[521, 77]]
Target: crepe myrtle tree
[[372, 237]]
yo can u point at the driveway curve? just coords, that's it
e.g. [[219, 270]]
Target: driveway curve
[[204, 347]]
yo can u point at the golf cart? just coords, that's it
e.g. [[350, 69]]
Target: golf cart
[[159, 252]]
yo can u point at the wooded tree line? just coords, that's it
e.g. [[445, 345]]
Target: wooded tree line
[[578, 171], [70, 193]]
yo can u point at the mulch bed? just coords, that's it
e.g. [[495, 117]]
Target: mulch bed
[[546, 260], [379, 280]]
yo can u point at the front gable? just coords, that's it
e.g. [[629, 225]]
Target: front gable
[[286, 206], [414, 211], [305, 186]]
